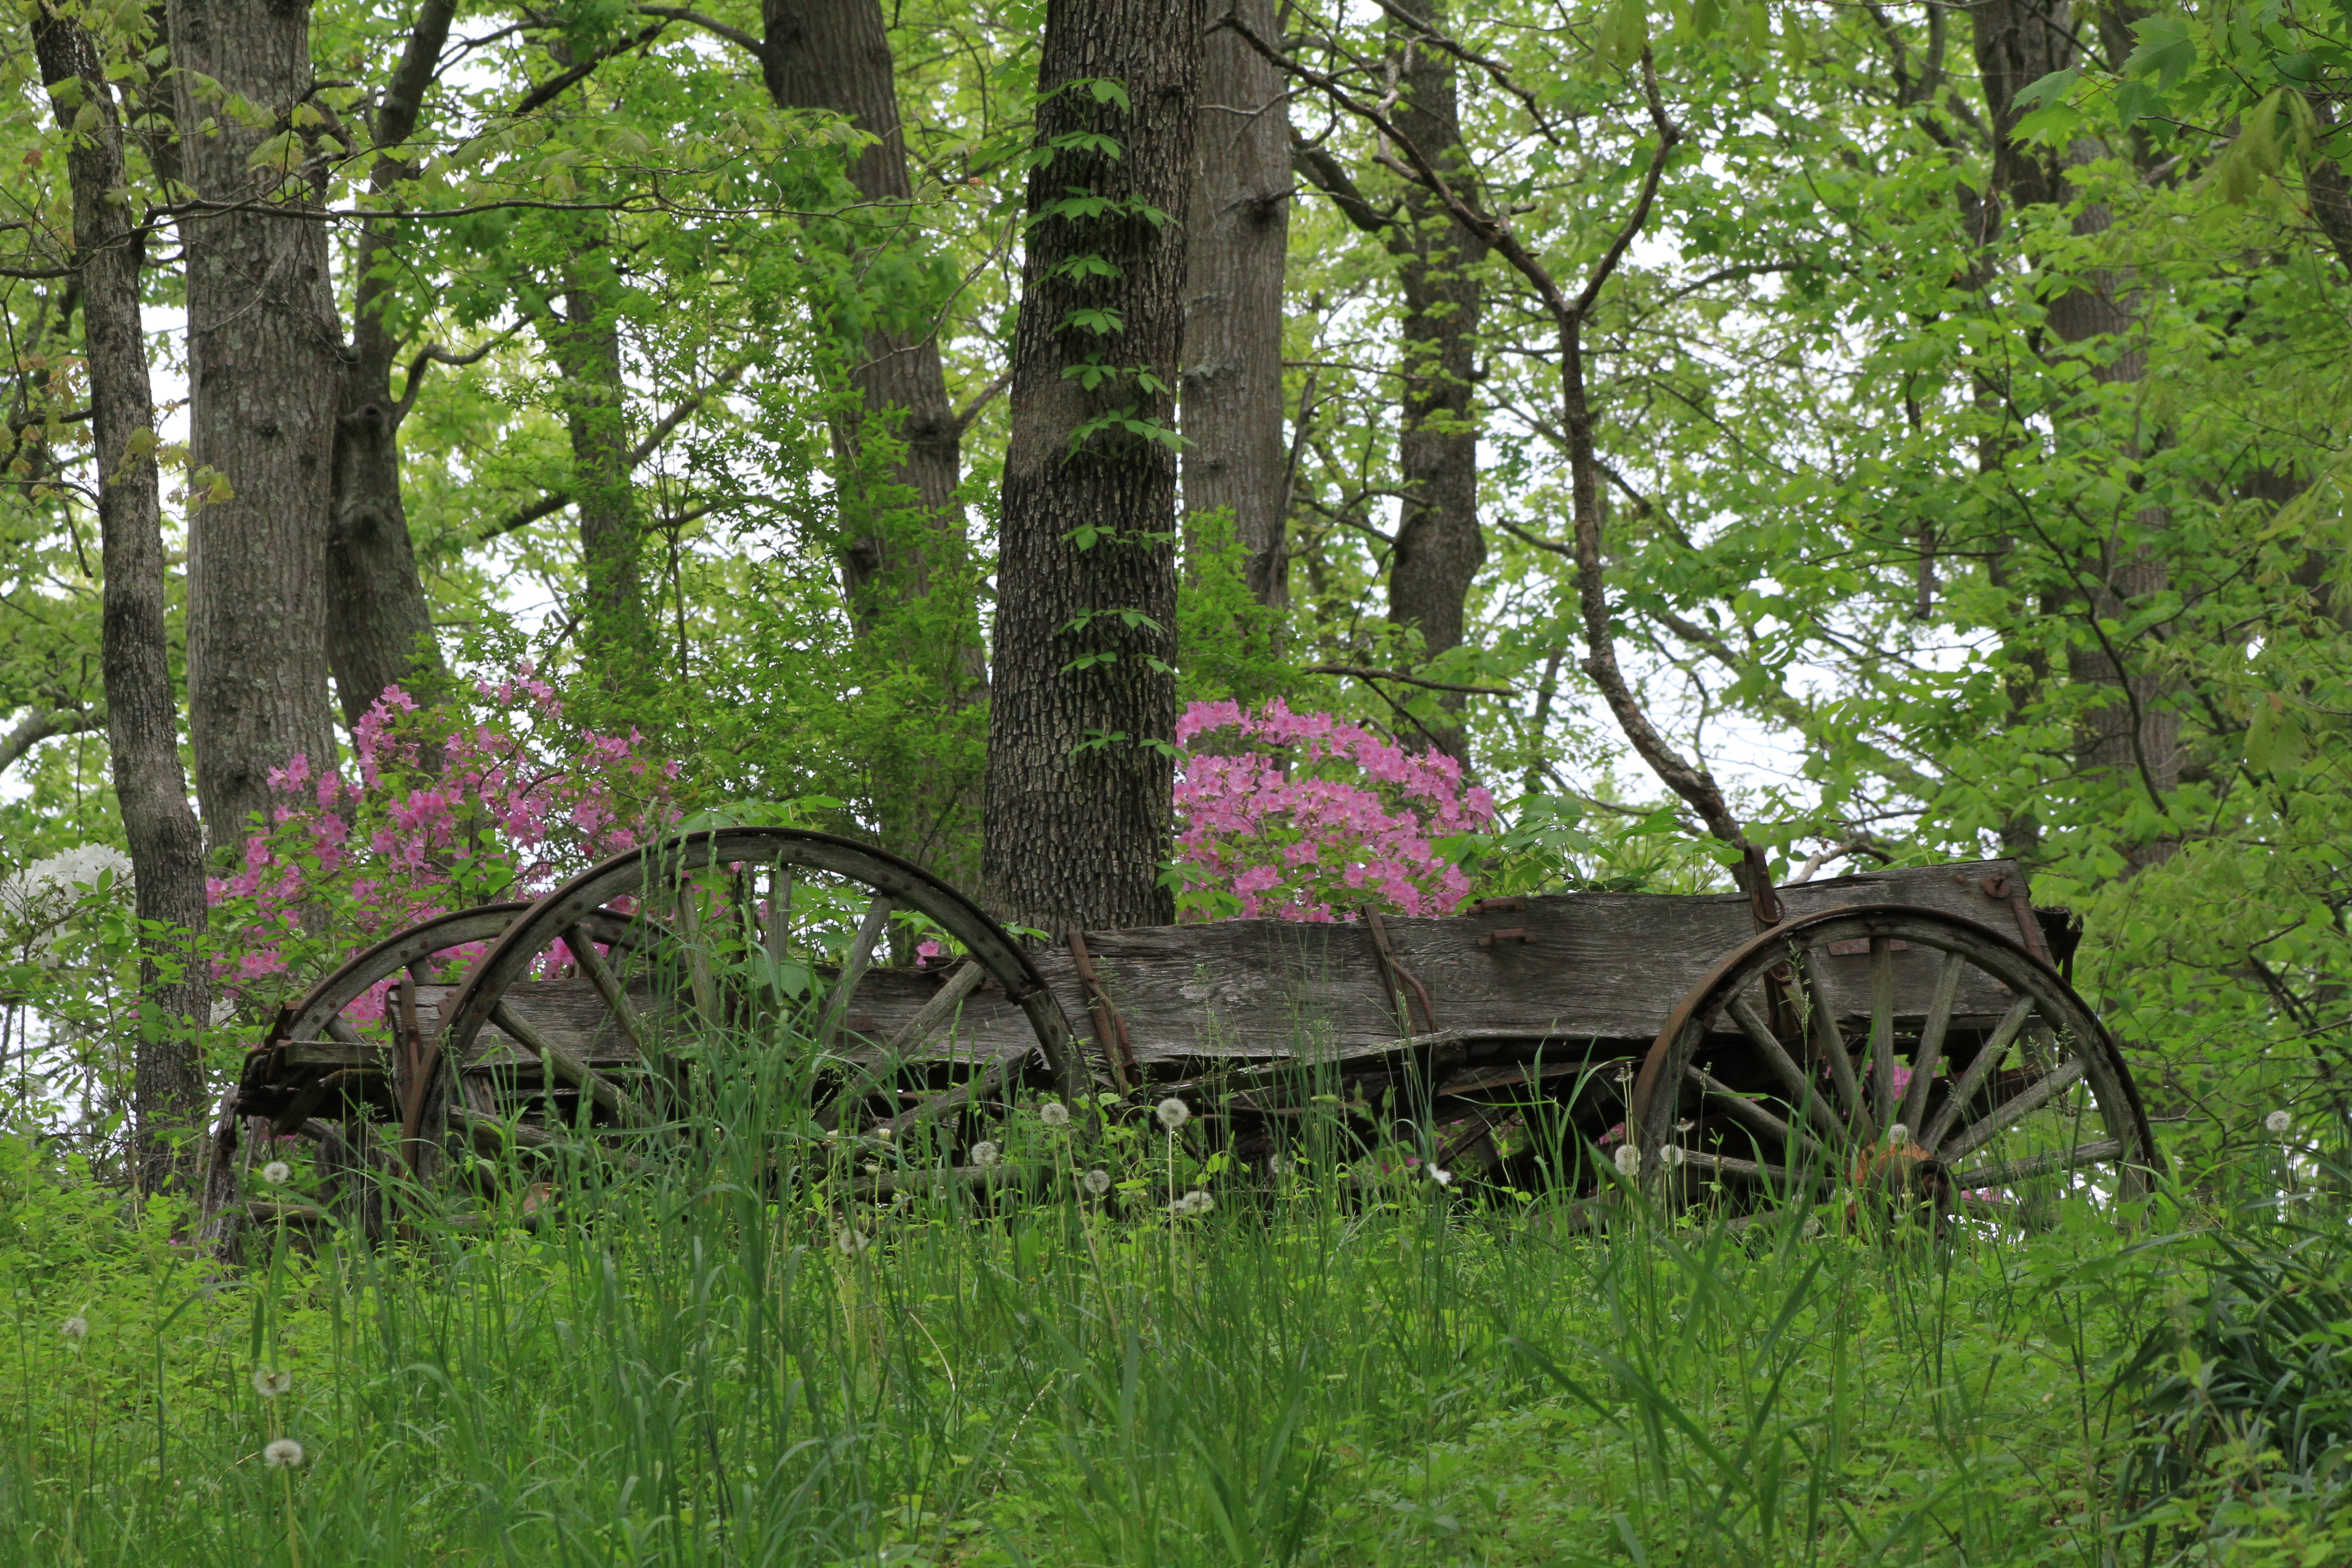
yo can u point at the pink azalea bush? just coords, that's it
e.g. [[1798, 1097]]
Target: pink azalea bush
[[1303, 816], [519, 800]]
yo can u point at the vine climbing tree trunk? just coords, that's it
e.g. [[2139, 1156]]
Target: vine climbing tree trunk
[[899, 447], [1080, 770], [167, 1096], [265, 357], [1235, 450]]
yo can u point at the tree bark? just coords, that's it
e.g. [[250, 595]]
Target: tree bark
[[1079, 764], [834, 54], [2135, 734], [167, 1094], [1235, 447], [379, 624], [264, 368], [1439, 547]]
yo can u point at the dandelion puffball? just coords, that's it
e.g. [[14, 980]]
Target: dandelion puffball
[[2278, 1121], [983, 1155], [75, 1329], [1629, 1160], [277, 1173], [269, 1384], [1898, 1134], [1442, 1176], [1053, 1113], [282, 1455], [1097, 1183], [1173, 1113], [1672, 1156], [851, 1242]]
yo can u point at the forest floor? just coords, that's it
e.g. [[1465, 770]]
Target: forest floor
[[683, 1371]]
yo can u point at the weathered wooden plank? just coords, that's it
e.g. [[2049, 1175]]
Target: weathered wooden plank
[[1577, 968]]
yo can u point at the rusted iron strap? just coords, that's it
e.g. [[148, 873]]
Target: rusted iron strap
[[1763, 899], [1110, 1029], [2028, 930], [1392, 972]]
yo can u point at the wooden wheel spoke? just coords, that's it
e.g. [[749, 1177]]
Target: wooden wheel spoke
[[1793, 1142], [1749, 1170], [1803, 1092], [560, 1062], [928, 1021], [1931, 1054], [1988, 1057], [616, 999], [1822, 1029], [2034, 1165], [1882, 1029], [852, 970], [2041, 1092]]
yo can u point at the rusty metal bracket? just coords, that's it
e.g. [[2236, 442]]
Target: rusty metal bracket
[[1763, 899], [1508, 934], [1110, 1029], [1392, 972]]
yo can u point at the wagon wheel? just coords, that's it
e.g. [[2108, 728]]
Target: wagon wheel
[[328, 1094], [1894, 1049], [766, 874]]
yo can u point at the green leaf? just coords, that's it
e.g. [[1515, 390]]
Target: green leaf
[[2168, 51]]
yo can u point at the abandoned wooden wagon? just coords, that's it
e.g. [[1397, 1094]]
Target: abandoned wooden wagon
[[1910, 1027]]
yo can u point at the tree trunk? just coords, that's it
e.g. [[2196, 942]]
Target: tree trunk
[[1439, 547], [263, 367], [1235, 454], [379, 625], [908, 589], [167, 1094], [616, 635], [1079, 762], [2132, 736]]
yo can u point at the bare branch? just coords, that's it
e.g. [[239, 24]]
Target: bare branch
[[46, 724], [1371, 674]]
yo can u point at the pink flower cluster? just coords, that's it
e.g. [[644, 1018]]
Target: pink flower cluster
[[1303, 816], [517, 801]]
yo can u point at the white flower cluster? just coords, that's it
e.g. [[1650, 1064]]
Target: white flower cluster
[[45, 892]]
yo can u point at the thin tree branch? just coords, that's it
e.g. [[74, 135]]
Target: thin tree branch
[[46, 724], [1371, 675]]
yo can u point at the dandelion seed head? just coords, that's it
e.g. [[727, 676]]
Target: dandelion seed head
[[282, 1455], [269, 1384], [1096, 1183], [75, 1329], [1813, 1225], [1440, 1175], [1053, 1113], [1672, 1156], [2278, 1121], [1629, 1160], [984, 1154], [1173, 1113], [1898, 1134], [277, 1173], [849, 1241]]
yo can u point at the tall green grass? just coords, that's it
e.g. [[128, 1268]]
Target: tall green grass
[[712, 1359]]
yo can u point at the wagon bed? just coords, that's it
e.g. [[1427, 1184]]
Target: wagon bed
[[1898, 974]]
